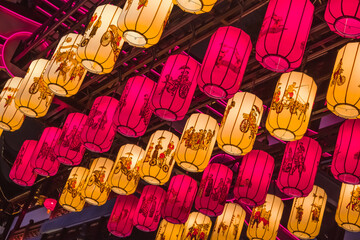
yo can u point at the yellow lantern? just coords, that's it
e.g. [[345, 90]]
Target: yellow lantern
[[197, 226], [34, 97], [291, 106], [240, 124], [195, 6], [142, 22], [307, 214], [197, 142], [101, 44], [169, 231], [124, 177], [158, 162]]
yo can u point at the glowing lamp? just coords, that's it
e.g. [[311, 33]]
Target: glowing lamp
[[347, 213], [195, 7], [50, 204], [169, 231], [197, 226]]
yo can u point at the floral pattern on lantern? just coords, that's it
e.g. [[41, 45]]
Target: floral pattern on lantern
[[347, 213], [169, 231], [195, 6], [197, 227]]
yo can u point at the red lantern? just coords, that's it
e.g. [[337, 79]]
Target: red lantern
[[50, 204]]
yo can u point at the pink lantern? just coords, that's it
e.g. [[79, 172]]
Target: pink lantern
[[254, 178], [179, 199], [98, 133], [213, 190], [176, 87], [281, 43], [225, 61], [69, 149], [50, 204], [21, 171]]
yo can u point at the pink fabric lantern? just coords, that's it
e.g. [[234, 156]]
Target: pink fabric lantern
[[50, 204], [179, 199], [283, 35], [254, 178], [213, 190], [225, 61], [69, 150], [176, 87], [21, 171], [298, 168], [98, 132]]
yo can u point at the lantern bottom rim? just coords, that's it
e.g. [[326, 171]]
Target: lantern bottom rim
[[92, 201], [283, 134], [348, 178], [173, 220], [248, 202], [119, 191], [350, 227], [214, 91], [166, 114], [5, 126], [117, 233], [276, 63], [42, 172], [346, 111], [195, 7], [302, 235], [135, 38], [93, 147], [21, 182], [28, 111], [151, 180], [58, 89], [189, 167], [70, 208], [348, 26], [126, 131], [292, 192], [208, 212], [232, 149], [66, 161], [92, 66], [143, 228]]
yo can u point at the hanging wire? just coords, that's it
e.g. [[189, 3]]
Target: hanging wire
[[192, 39]]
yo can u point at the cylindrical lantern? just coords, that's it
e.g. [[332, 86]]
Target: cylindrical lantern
[[265, 219], [307, 214], [71, 197], [122, 216], [291, 106], [34, 97], [169, 231], [147, 214], [282, 39], [21, 171], [196, 6], [179, 199], [225, 61], [124, 176], [176, 87], [240, 124], [98, 133], [96, 190], [134, 111], [197, 142], [347, 213], [158, 162], [197, 227], [254, 178], [101, 44]]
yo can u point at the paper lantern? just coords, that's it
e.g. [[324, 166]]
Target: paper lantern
[[197, 142], [121, 219], [179, 199], [33, 97], [240, 124], [169, 231], [147, 214], [50, 204], [124, 176], [21, 171], [98, 133], [224, 63], [196, 6], [347, 213], [71, 197], [175, 88], [97, 189], [291, 106], [134, 111], [197, 226], [265, 219], [158, 162], [254, 178]]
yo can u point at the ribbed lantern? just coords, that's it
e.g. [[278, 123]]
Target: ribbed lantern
[[197, 142], [121, 219], [124, 176], [34, 97], [196, 6], [179, 199], [97, 189], [254, 178], [225, 61], [169, 231], [158, 162], [197, 226], [101, 44], [282, 39], [147, 214], [307, 214], [71, 197], [347, 213], [265, 219], [98, 133], [240, 124], [291, 106], [21, 171], [134, 111], [175, 88], [299, 166]]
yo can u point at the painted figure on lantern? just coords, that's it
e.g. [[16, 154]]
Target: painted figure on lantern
[[124, 165], [181, 84], [260, 215], [198, 232], [354, 203], [47, 152], [222, 61], [276, 26], [299, 213], [72, 140], [124, 95], [196, 140], [249, 122], [96, 118], [112, 37], [98, 178], [148, 207], [295, 162], [8, 99], [70, 187], [145, 111], [155, 156], [337, 77], [40, 86], [227, 110]]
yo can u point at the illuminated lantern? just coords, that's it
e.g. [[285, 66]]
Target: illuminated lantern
[[50, 204], [169, 231], [134, 111], [197, 226], [347, 213], [124, 176], [176, 87], [98, 133], [254, 178], [291, 106], [225, 61], [240, 124], [197, 142], [158, 162], [196, 6], [34, 97]]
